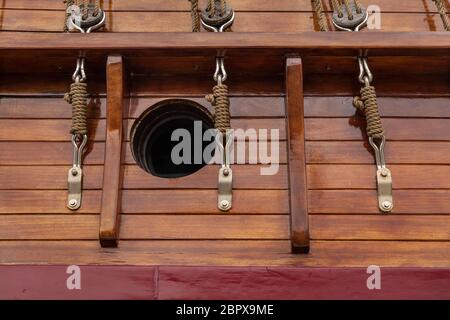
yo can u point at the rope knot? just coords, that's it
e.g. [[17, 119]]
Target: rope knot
[[221, 103], [77, 96], [367, 103]]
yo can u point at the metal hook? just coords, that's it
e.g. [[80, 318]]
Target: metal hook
[[78, 148], [80, 74], [365, 74], [220, 75], [379, 151]]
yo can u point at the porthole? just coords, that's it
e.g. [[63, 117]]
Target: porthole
[[151, 137]]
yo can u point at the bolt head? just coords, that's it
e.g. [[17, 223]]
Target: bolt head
[[224, 204], [73, 202], [387, 205], [74, 172], [226, 172], [384, 173]]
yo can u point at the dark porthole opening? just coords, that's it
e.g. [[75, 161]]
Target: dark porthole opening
[[151, 137]]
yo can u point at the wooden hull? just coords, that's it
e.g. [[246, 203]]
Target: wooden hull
[[324, 195]]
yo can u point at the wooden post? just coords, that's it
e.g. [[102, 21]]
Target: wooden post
[[112, 175], [297, 161]]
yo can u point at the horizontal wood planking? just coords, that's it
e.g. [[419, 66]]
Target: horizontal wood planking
[[427, 202], [55, 178], [238, 5], [46, 202], [360, 152], [229, 252], [146, 202], [244, 177], [239, 85], [60, 153], [363, 176], [79, 227], [380, 227], [395, 129], [55, 108], [259, 62], [119, 21], [315, 106], [204, 201], [412, 107], [58, 130]]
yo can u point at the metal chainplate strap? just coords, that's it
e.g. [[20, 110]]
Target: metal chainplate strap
[[75, 174], [219, 23], [384, 176]]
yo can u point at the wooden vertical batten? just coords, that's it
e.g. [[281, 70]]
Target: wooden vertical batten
[[112, 173], [296, 151]]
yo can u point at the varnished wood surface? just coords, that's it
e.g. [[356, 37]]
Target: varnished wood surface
[[176, 222]]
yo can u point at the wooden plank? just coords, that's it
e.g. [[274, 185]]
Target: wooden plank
[[79, 227], [351, 152], [45, 108], [203, 202], [262, 107], [363, 176], [46, 130], [45, 202], [425, 202], [318, 43], [426, 6], [112, 173], [380, 227], [146, 202], [136, 21], [245, 177], [55, 178], [425, 107], [396, 129], [47, 153], [46, 177], [60, 153], [55, 108], [58, 130], [296, 150], [230, 252]]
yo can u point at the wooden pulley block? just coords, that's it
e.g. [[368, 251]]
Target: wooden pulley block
[[92, 18], [357, 18], [215, 17]]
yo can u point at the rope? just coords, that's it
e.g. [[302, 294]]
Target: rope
[[321, 16], [221, 103], [68, 3], [440, 5], [77, 96], [367, 104], [195, 16]]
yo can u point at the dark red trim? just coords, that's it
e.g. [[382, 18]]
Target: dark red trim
[[142, 282]]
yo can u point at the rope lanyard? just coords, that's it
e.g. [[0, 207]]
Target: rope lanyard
[[84, 16], [442, 9], [218, 17], [351, 16]]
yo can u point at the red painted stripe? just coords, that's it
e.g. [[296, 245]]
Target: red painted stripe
[[141, 282]]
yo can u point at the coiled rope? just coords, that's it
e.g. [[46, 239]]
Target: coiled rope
[[77, 97], [221, 103], [367, 104], [442, 9]]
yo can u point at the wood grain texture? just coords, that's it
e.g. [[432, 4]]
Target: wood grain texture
[[339, 253], [427, 202], [363, 176], [137, 21], [85, 227], [112, 173], [296, 151]]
